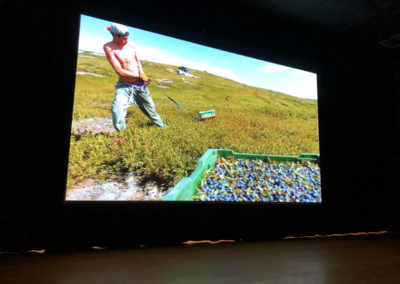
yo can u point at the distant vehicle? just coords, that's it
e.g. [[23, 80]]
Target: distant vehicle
[[184, 69]]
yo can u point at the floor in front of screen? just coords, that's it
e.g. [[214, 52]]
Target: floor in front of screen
[[362, 259]]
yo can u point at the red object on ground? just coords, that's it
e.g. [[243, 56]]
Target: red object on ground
[[210, 117]]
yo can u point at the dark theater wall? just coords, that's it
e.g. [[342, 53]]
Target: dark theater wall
[[358, 116]]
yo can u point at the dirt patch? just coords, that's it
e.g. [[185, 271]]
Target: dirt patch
[[87, 56], [88, 73], [127, 188], [165, 80], [130, 188], [92, 125]]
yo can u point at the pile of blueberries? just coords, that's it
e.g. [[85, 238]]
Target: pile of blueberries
[[255, 180]]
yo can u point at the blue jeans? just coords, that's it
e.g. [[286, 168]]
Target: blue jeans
[[126, 95]]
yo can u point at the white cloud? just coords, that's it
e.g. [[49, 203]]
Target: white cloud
[[303, 85], [161, 56], [90, 43], [294, 82], [269, 68], [304, 89], [304, 74]]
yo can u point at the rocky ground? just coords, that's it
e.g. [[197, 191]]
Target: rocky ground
[[92, 125], [88, 73], [128, 188], [165, 80]]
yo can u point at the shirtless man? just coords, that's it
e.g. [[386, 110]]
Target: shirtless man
[[131, 87]]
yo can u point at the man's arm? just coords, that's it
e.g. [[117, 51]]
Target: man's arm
[[142, 76], [117, 65], [138, 63]]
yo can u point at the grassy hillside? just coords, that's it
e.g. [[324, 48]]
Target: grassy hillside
[[249, 119]]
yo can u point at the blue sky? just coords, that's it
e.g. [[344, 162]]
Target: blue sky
[[163, 49]]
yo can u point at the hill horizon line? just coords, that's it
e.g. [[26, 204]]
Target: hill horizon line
[[80, 51]]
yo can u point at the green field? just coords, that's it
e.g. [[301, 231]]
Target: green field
[[248, 120]]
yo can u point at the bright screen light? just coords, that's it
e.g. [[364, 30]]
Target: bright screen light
[[209, 125]]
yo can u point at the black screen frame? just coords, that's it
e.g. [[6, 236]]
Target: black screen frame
[[345, 71]]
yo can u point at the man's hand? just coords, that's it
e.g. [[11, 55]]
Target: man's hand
[[144, 77]]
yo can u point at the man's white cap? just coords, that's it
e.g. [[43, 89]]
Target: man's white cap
[[118, 29]]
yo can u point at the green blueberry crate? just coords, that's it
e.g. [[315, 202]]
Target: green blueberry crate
[[187, 186], [208, 114]]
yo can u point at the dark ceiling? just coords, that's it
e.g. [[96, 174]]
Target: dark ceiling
[[222, 23], [347, 22], [373, 20]]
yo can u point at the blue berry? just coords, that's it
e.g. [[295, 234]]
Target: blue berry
[[279, 182]]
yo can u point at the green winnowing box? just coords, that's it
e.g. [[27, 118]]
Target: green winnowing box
[[187, 186], [208, 114]]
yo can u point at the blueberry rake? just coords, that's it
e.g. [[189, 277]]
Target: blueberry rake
[[175, 102]]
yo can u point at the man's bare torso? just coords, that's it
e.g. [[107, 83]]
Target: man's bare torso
[[126, 58]]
